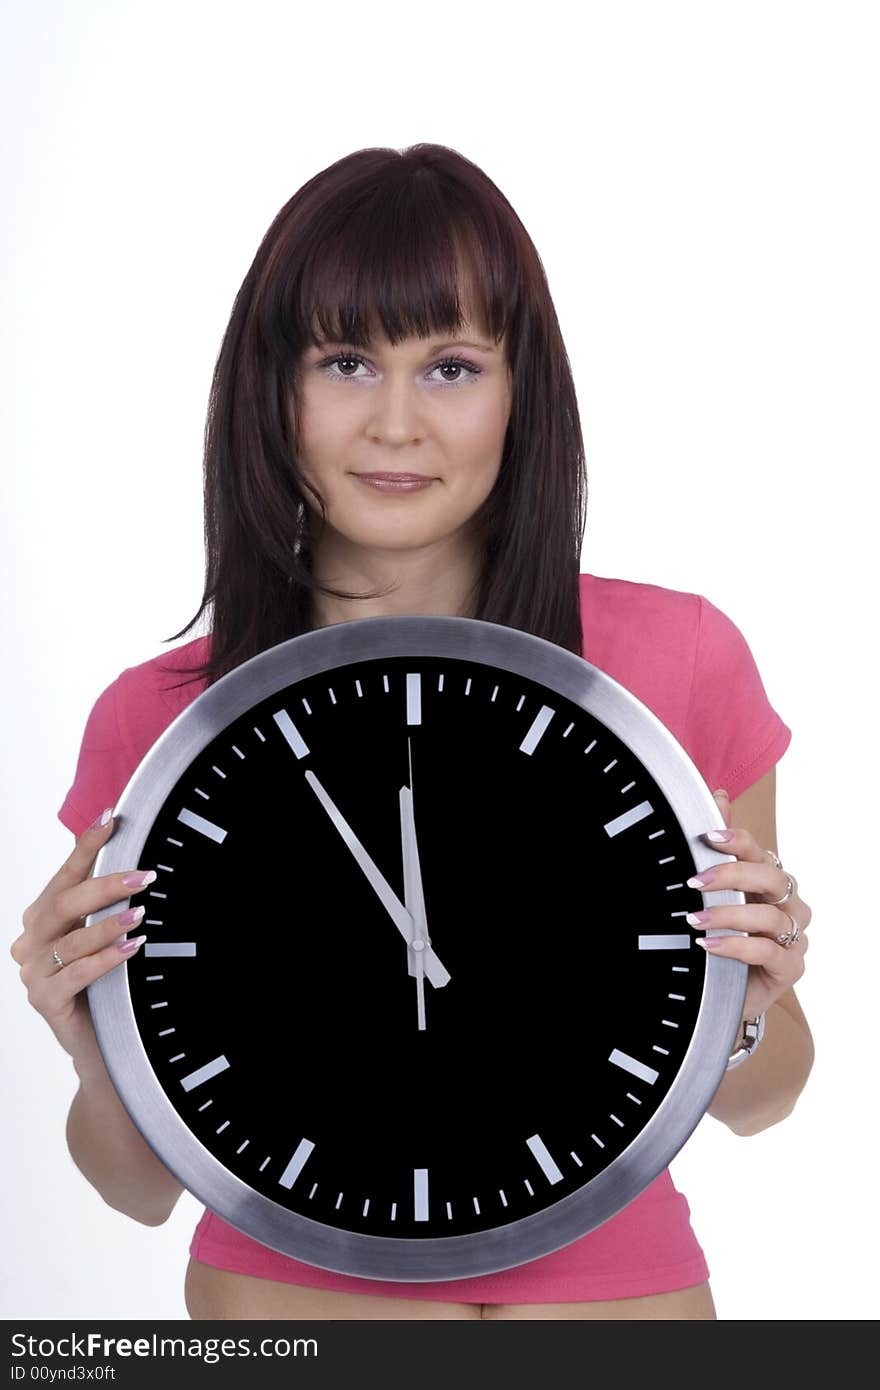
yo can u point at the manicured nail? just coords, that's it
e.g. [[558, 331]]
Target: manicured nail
[[706, 876], [719, 837], [128, 947], [140, 878], [709, 942], [102, 819], [131, 915], [696, 919]]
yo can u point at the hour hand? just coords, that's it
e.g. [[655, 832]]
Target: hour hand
[[435, 970], [413, 892]]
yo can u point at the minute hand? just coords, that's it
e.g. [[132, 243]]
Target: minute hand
[[435, 970]]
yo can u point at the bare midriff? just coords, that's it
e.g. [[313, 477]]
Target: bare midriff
[[222, 1293]]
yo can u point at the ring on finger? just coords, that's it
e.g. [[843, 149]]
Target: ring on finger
[[55, 956], [788, 938], [786, 895], [792, 882]]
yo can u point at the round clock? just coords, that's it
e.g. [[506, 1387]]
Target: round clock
[[418, 1000]]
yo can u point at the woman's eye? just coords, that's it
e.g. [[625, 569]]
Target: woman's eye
[[349, 359], [459, 365]]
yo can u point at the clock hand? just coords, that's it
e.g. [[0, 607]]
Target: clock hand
[[420, 981], [414, 895], [435, 970], [414, 898]]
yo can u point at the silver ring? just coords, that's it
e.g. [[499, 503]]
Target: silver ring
[[55, 956], [788, 938], [786, 895]]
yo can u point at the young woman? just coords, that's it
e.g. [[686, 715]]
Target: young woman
[[396, 321]]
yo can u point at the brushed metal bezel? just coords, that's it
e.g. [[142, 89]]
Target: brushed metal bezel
[[435, 1258]]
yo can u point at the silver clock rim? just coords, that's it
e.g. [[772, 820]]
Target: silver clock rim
[[430, 1258]]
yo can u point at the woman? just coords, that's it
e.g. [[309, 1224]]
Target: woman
[[396, 320]]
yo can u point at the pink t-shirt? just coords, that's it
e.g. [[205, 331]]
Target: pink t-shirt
[[690, 664]]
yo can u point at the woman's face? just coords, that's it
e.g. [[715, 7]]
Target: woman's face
[[397, 409]]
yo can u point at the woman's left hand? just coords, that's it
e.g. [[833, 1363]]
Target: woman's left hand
[[773, 969]]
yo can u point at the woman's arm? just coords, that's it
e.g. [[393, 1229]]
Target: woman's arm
[[109, 1150], [764, 1088]]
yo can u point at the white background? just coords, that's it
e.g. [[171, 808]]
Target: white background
[[700, 180]]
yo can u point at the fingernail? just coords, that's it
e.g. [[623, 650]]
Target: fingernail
[[131, 915], [709, 942], [140, 878], [719, 837], [128, 947], [706, 876], [102, 819], [696, 919], [720, 791]]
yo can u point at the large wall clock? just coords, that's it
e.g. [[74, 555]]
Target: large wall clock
[[418, 1000]]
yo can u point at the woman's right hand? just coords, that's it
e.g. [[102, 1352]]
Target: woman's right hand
[[55, 919]]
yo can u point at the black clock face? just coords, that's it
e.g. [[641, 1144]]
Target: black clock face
[[416, 961]]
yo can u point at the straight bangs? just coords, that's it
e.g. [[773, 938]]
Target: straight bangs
[[412, 262]]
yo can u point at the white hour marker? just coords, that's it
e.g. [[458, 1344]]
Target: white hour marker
[[546, 1162], [203, 826], [291, 733], [413, 697], [169, 948], [628, 818], [420, 1193], [203, 1074], [664, 943], [295, 1166], [632, 1065], [537, 729]]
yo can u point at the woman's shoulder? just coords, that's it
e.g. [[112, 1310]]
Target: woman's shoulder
[[645, 637], [619, 612], [636, 596], [151, 693]]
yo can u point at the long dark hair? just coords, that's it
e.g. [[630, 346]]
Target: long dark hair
[[398, 234]]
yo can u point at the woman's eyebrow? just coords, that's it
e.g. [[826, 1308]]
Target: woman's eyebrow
[[437, 347], [480, 347]]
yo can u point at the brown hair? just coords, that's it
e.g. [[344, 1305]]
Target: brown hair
[[404, 235]]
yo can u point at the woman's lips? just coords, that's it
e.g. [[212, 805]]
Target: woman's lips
[[394, 482]]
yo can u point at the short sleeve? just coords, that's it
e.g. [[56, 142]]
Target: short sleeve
[[103, 767], [732, 731]]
